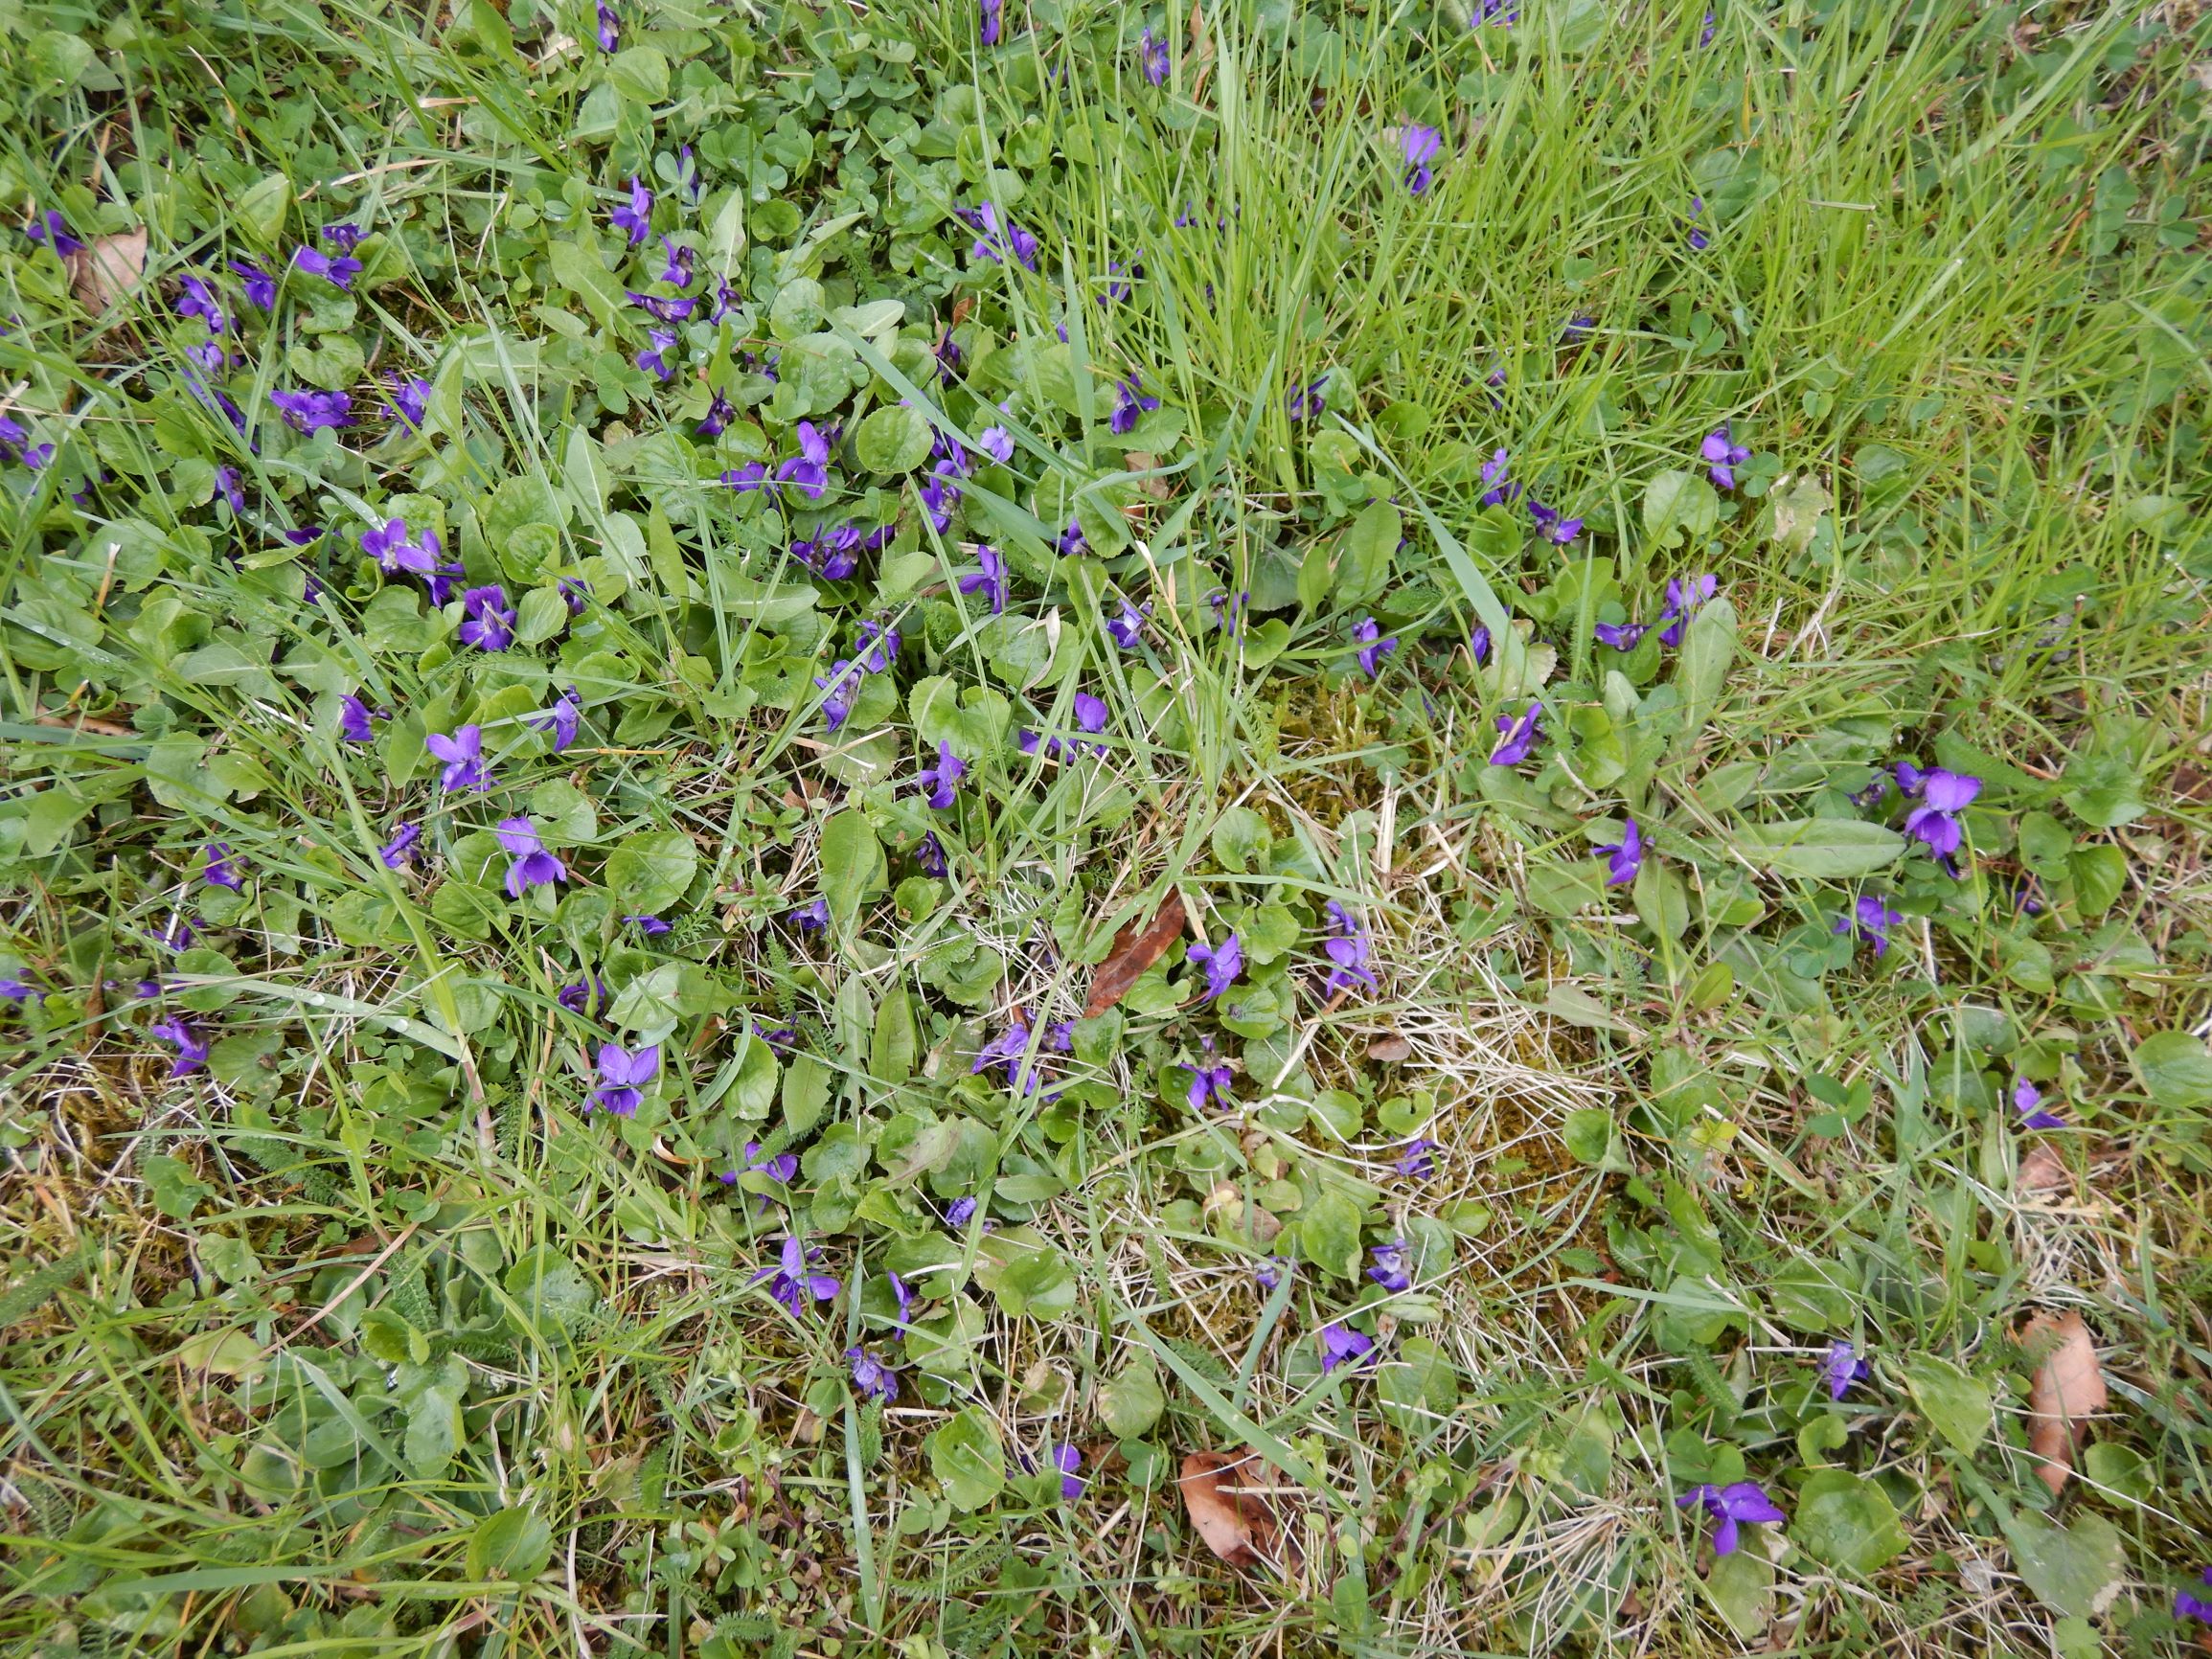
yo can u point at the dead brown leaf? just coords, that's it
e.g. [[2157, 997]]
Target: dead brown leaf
[[103, 272], [2068, 1390], [1390, 1049], [2044, 1171], [1135, 950], [1233, 1519]]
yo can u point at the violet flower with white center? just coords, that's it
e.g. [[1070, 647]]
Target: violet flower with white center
[[1520, 735], [1372, 648], [443, 581], [562, 719], [811, 918], [634, 218], [227, 486], [190, 1046], [997, 442], [1496, 487], [675, 311], [311, 412], [608, 28], [678, 264], [217, 871], [353, 717], [1210, 1083], [753, 475], [874, 1379], [462, 754], [1130, 403], [1392, 1269], [396, 852], [621, 1075], [1842, 1368], [984, 219], [1222, 963], [1270, 1273], [1624, 857], [720, 412], [1550, 524], [810, 469], [261, 287], [939, 782], [343, 235], [876, 646], [654, 361], [1934, 822], [1870, 920], [1347, 953], [337, 269], [989, 24], [393, 550], [987, 579], [533, 865], [1722, 455], [839, 688], [1730, 1504], [779, 1168], [488, 620], [1341, 1345], [1008, 1049], [1684, 600], [1128, 629], [410, 400], [1420, 145], [2028, 1101], [1071, 540]]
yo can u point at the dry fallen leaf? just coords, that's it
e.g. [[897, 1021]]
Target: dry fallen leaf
[[1235, 1522], [1134, 952], [2043, 1170], [1389, 1050], [2068, 1390], [109, 268]]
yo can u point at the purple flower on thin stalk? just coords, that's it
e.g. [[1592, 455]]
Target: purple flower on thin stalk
[[652, 927], [410, 399], [634, 218], [950, 359], [391, 545], [839, 688], [343, 235], [997, 442], [396, 852], [533, 865], [53, 229], [261, 287], [779, 1168], [1550, 524], [1478, 645], [1698, 241], [15, 988], [2028, 1101], [720, 412], [654, 361], [1392, 1269], [1417, 1163], [217, 871], [197, 300], [1684, 599], [811, 918], [1305, 403], [575, 593], [1067, 1460], [1008, 1049], [678, 264], [1870, 920], [1520, 735], [585, 996], [1347, 952], [810, 469], [929, 855], [1071, 540], [226, 483], [314, 411], [463, 755], [1271, 1272], [1496, 487], [1222, 963], [1730, 1504], [190, 1046], [1341, 1345], [1621, 636], [1210, 1083], [1420, 145], [939, 782], [1128, 628], [1705, 34], [1626, 857], [562, 719], [874, 1379], [1934, 822], [339, 269], [1722, 455], [2189, 1606], [1154, 55], [876, 646], [1373, 646], [987, 579], [984, 219], [751, 476], [905, 1297], [621, 1075], [1228, 609], [675, 311], [959, 1212], [443, 581], [1130, 403], [793, 1279], [608, 29], [1842, 1368], [989, 24], [488, 620]]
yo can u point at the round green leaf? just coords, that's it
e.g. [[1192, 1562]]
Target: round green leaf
[[895, 439], [965, 1455], [650, 871], [1846, 1522], [512, 1544]]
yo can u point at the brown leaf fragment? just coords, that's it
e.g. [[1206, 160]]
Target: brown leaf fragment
[[1135, 950], [1389, 1049], [103, 272], [1234, 1520], [2067, 1391], [2043, 1170]]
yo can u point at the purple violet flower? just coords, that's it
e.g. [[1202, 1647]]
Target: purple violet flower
[[1420, 145], [793, 1282], [901, 1294], [1520, 735], [585, 996], [874, 1379], [675, 311], [1730, 1504], [678, 264], [1210, 1083], [983, 218], [1496, 487], [608, 29], [534, 866], [929, 855], [353, 717], [2028, 1101], [312, 411], [562, 719], [989, 24], [1128, 629], [1934, 822], [216, 871], [390, 546], [1154, 55], [1417, 1162], [779, 1168], [1621, 636], [997, 442], [337, 269], [1222, 963], [1478, 645], [1341, 1345], [1625, 855], [654, 361], [396, 852], [1870, 920], [198, 300], [1011, 1050], [634, 218], [652, 927], [1392, 1270], [1271, 1272], [1842, 1368], [1347, 952], [811, 918], [1684, 600], [1067, 1460], [621, 1073], [810, 469], [463, 755], [959, 1212], [1372, 648], [1130, 403], [190, 1046], [410, 400], [53, 229], [938, 782], [2189, 1606], [226, 483], [1722, 456], [261, 288], [1550, 524], [1698, 241], [840, 687], [488, 620]]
